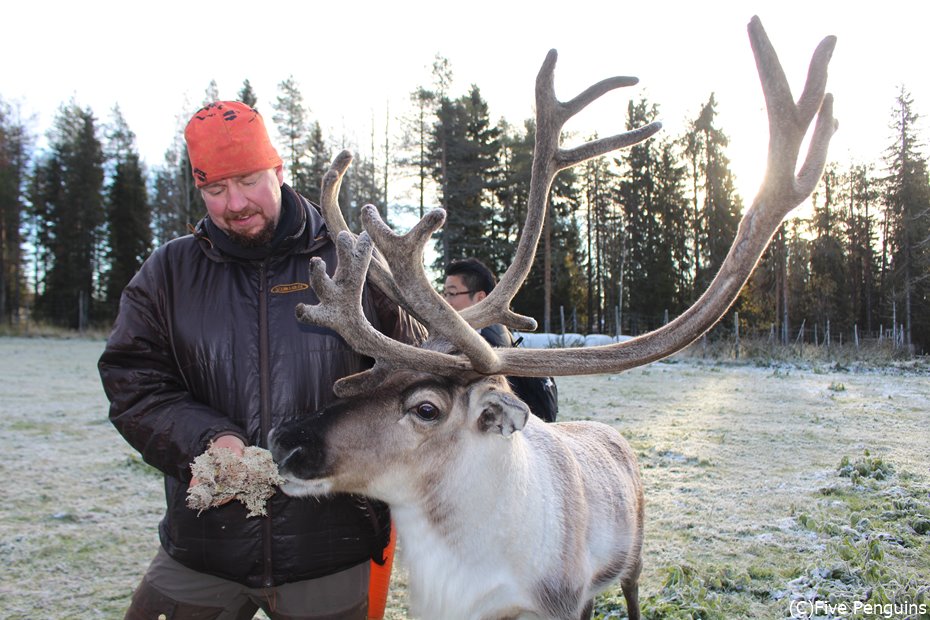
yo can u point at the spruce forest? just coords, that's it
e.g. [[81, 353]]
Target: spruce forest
[[629, 243]]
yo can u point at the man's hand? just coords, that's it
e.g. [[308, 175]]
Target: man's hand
[[230, 442]]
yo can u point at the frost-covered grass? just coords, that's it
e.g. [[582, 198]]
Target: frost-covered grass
[[771, 483], [80, 509], [763, 483]]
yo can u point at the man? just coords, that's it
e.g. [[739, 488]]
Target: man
[[206, 351], [468, 281]]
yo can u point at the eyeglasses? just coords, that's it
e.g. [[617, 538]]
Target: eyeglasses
[[451, 294]]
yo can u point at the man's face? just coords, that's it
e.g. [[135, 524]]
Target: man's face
[[458, 295], [246, 207]]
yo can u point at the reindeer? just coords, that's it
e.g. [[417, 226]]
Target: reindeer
[[500, 515]]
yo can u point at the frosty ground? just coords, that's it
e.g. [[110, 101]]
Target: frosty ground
[[765, 484]]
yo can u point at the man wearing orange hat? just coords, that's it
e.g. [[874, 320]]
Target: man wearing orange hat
[[206, 351]]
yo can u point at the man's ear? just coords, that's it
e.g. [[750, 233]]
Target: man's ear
[[479, 295], [279, 172], [500, 411]]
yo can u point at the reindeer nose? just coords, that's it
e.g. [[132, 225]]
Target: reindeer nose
[[298, 450], [293, 454], [289, 459], [280, 453]]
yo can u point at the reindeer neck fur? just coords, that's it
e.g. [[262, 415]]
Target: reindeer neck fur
[[464, 541]]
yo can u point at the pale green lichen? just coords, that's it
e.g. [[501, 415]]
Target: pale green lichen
[[222, 476]]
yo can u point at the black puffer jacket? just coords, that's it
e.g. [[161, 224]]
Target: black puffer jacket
[[208, 344]]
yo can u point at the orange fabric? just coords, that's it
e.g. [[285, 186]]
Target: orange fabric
[[228, 139], [380, 580]]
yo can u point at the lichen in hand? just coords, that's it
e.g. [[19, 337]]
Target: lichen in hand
[[223, 477]]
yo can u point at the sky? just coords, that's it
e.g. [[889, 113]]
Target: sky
[[357, 63]]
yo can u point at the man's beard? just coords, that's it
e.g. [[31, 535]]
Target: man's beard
[[258, 240]]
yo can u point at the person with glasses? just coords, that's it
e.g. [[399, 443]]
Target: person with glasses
[[468, 281]]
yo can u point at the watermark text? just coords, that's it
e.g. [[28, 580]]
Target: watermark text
[[811, 609]]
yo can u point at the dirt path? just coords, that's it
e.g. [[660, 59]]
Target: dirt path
[[731, 456]]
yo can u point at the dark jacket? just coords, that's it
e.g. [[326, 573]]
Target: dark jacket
[[206, 344], [541, 394]]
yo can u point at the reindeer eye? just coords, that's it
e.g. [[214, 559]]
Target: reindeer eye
[[428, 412]]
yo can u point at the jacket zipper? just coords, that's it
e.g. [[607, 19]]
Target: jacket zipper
[[265, 383]]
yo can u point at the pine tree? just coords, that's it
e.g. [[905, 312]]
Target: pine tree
[[297, 135], [673, 259], [649, 275], [128, 213], [211, 93], [320, 158], [720, 207], [176, 205], [907, 220], [15, 148], [777, 292], [360, 186], [555, 281], [69, 205], [562, 247], [693, 147], [465, 156], [415, 140], [797, 275], [418, 130], [382, 203], [860, 195], [247, 95], [761, 299], [511, 194], [828, 289], [597, 189]]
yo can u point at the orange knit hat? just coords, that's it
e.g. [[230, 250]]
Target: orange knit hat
[[227, 139]]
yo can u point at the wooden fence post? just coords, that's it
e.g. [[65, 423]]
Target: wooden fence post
[[736, 333]]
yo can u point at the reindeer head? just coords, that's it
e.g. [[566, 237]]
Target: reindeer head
[[422, 421]]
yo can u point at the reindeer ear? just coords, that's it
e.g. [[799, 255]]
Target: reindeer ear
[[501, 412]]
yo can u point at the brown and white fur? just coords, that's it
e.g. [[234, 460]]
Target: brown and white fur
[[499, 515]]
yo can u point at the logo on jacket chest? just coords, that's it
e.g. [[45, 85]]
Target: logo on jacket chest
[[282, 289]]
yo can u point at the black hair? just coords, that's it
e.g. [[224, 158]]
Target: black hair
[[474, 273]]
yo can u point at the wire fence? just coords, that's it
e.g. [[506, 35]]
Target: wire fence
[[729, 339], [809, 339]]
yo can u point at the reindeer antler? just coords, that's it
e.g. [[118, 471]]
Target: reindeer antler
[[380, 273], [418, 296], [409, 288], [548, 160], [340, 309], [781, 191], [401, 275]]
